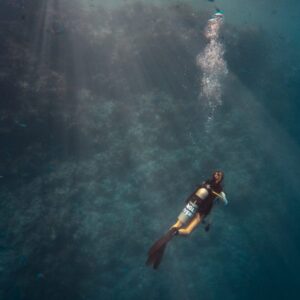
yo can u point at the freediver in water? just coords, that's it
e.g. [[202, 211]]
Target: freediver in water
[[198, 206]]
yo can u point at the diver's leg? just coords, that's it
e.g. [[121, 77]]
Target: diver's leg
[[187, 230], [178, 224]]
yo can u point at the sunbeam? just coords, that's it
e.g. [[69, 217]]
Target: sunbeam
[[112, 112]]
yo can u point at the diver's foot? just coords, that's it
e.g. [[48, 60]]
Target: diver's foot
[[173, 231]]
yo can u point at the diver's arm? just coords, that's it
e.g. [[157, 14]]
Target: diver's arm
[[223, 198]]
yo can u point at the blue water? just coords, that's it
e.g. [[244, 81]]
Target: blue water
[[104, 134]]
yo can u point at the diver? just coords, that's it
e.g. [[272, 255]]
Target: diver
[[198, 206]]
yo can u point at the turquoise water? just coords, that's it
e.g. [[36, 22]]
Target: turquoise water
[[105, 132]]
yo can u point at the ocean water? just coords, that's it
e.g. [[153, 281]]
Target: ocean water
[[112, 112]]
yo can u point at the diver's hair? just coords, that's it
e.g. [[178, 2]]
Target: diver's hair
[[217, 171]]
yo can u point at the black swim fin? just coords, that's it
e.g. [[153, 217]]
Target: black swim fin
[[156, 252], [155, 258]]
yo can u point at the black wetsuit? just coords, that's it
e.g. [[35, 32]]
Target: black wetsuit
[[205, 205]]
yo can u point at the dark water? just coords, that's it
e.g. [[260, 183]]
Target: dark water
[[103, 136]]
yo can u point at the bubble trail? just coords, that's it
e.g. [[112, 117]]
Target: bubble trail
[[214, 67]]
